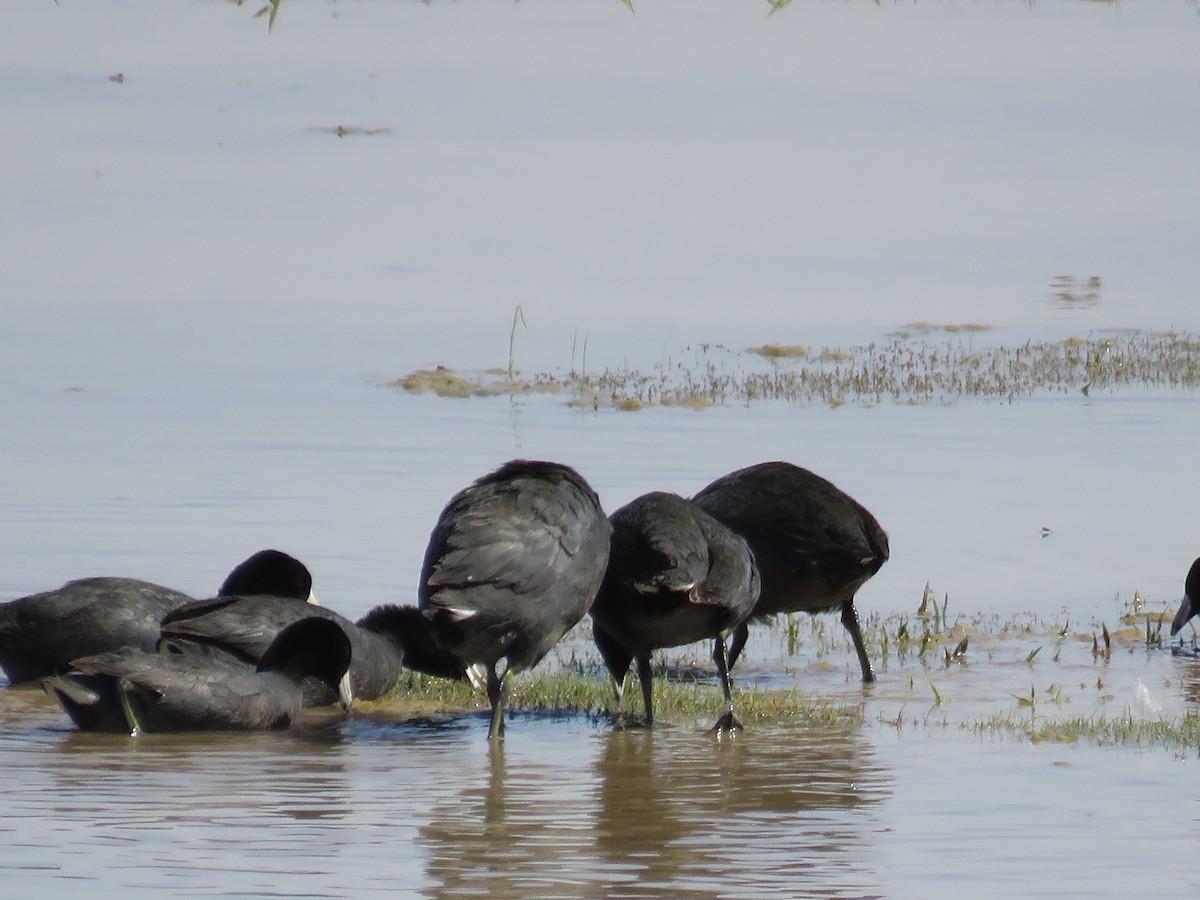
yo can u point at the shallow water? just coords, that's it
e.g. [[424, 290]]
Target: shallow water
[[204, 292], [575, 808]]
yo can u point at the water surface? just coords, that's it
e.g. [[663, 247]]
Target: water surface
[[205, 289]]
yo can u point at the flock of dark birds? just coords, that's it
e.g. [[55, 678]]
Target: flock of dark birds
[[515, 561]]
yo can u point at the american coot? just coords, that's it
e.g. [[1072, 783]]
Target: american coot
[[814, 544], [514, 561], [135, 691], [384, 641], [1190, 604], [675, 575], [270, 573], [40, 634]]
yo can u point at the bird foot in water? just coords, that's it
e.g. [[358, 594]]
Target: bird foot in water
[[624, 721], [729, 722]]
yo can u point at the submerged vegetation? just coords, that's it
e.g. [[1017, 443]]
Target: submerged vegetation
[[1179, 735], [688, 693], [1024, 677], [919, 364]]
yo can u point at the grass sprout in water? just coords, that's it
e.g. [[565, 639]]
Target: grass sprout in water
[[685, 695], [909, 367], [980, 673]]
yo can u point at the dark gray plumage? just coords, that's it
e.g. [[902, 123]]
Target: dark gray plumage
[[514, 561], [814, 544], [1190, 604], [384, 641], [675, 575], [134, 691], [270, 573], [42, 633]]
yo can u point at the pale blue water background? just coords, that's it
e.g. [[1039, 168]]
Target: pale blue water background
[[203, 290]]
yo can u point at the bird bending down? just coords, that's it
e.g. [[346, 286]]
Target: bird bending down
[[134, 691], [513, 563], [385, 641], [42, 633], [1190, 604], [675, 575], [815, 545]]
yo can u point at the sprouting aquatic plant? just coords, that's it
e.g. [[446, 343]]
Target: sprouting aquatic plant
[[581, 372], [938, 697], [518, 316], [793, 633], [959, 654], [582, 689], [926, 598], [929, 609], [270, 9], [902, 638], [1029, 702], [899, 371], [927, 641], [1153, 636]]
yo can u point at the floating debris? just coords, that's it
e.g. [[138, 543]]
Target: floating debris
[[779, 351], [349, 130], [1073, 292]]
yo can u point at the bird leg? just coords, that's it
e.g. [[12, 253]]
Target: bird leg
[[850, 620], [131, 719], [728, 720], [643, 667], [740, 635], [497, 690]]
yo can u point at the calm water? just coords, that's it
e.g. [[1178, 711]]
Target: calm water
[[204, 290]]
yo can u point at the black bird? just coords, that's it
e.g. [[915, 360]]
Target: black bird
[[42, 633], [270, 573], [675, 575], [814, 544], [134, 691], [1190, 604], [385, 641], [513, 563]]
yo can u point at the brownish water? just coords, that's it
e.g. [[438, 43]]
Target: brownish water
[[921, 795], [566, 807], [574, 807], [204, 288]]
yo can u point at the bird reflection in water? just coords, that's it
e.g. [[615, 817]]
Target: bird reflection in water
[[791, 811], [668, 811]]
